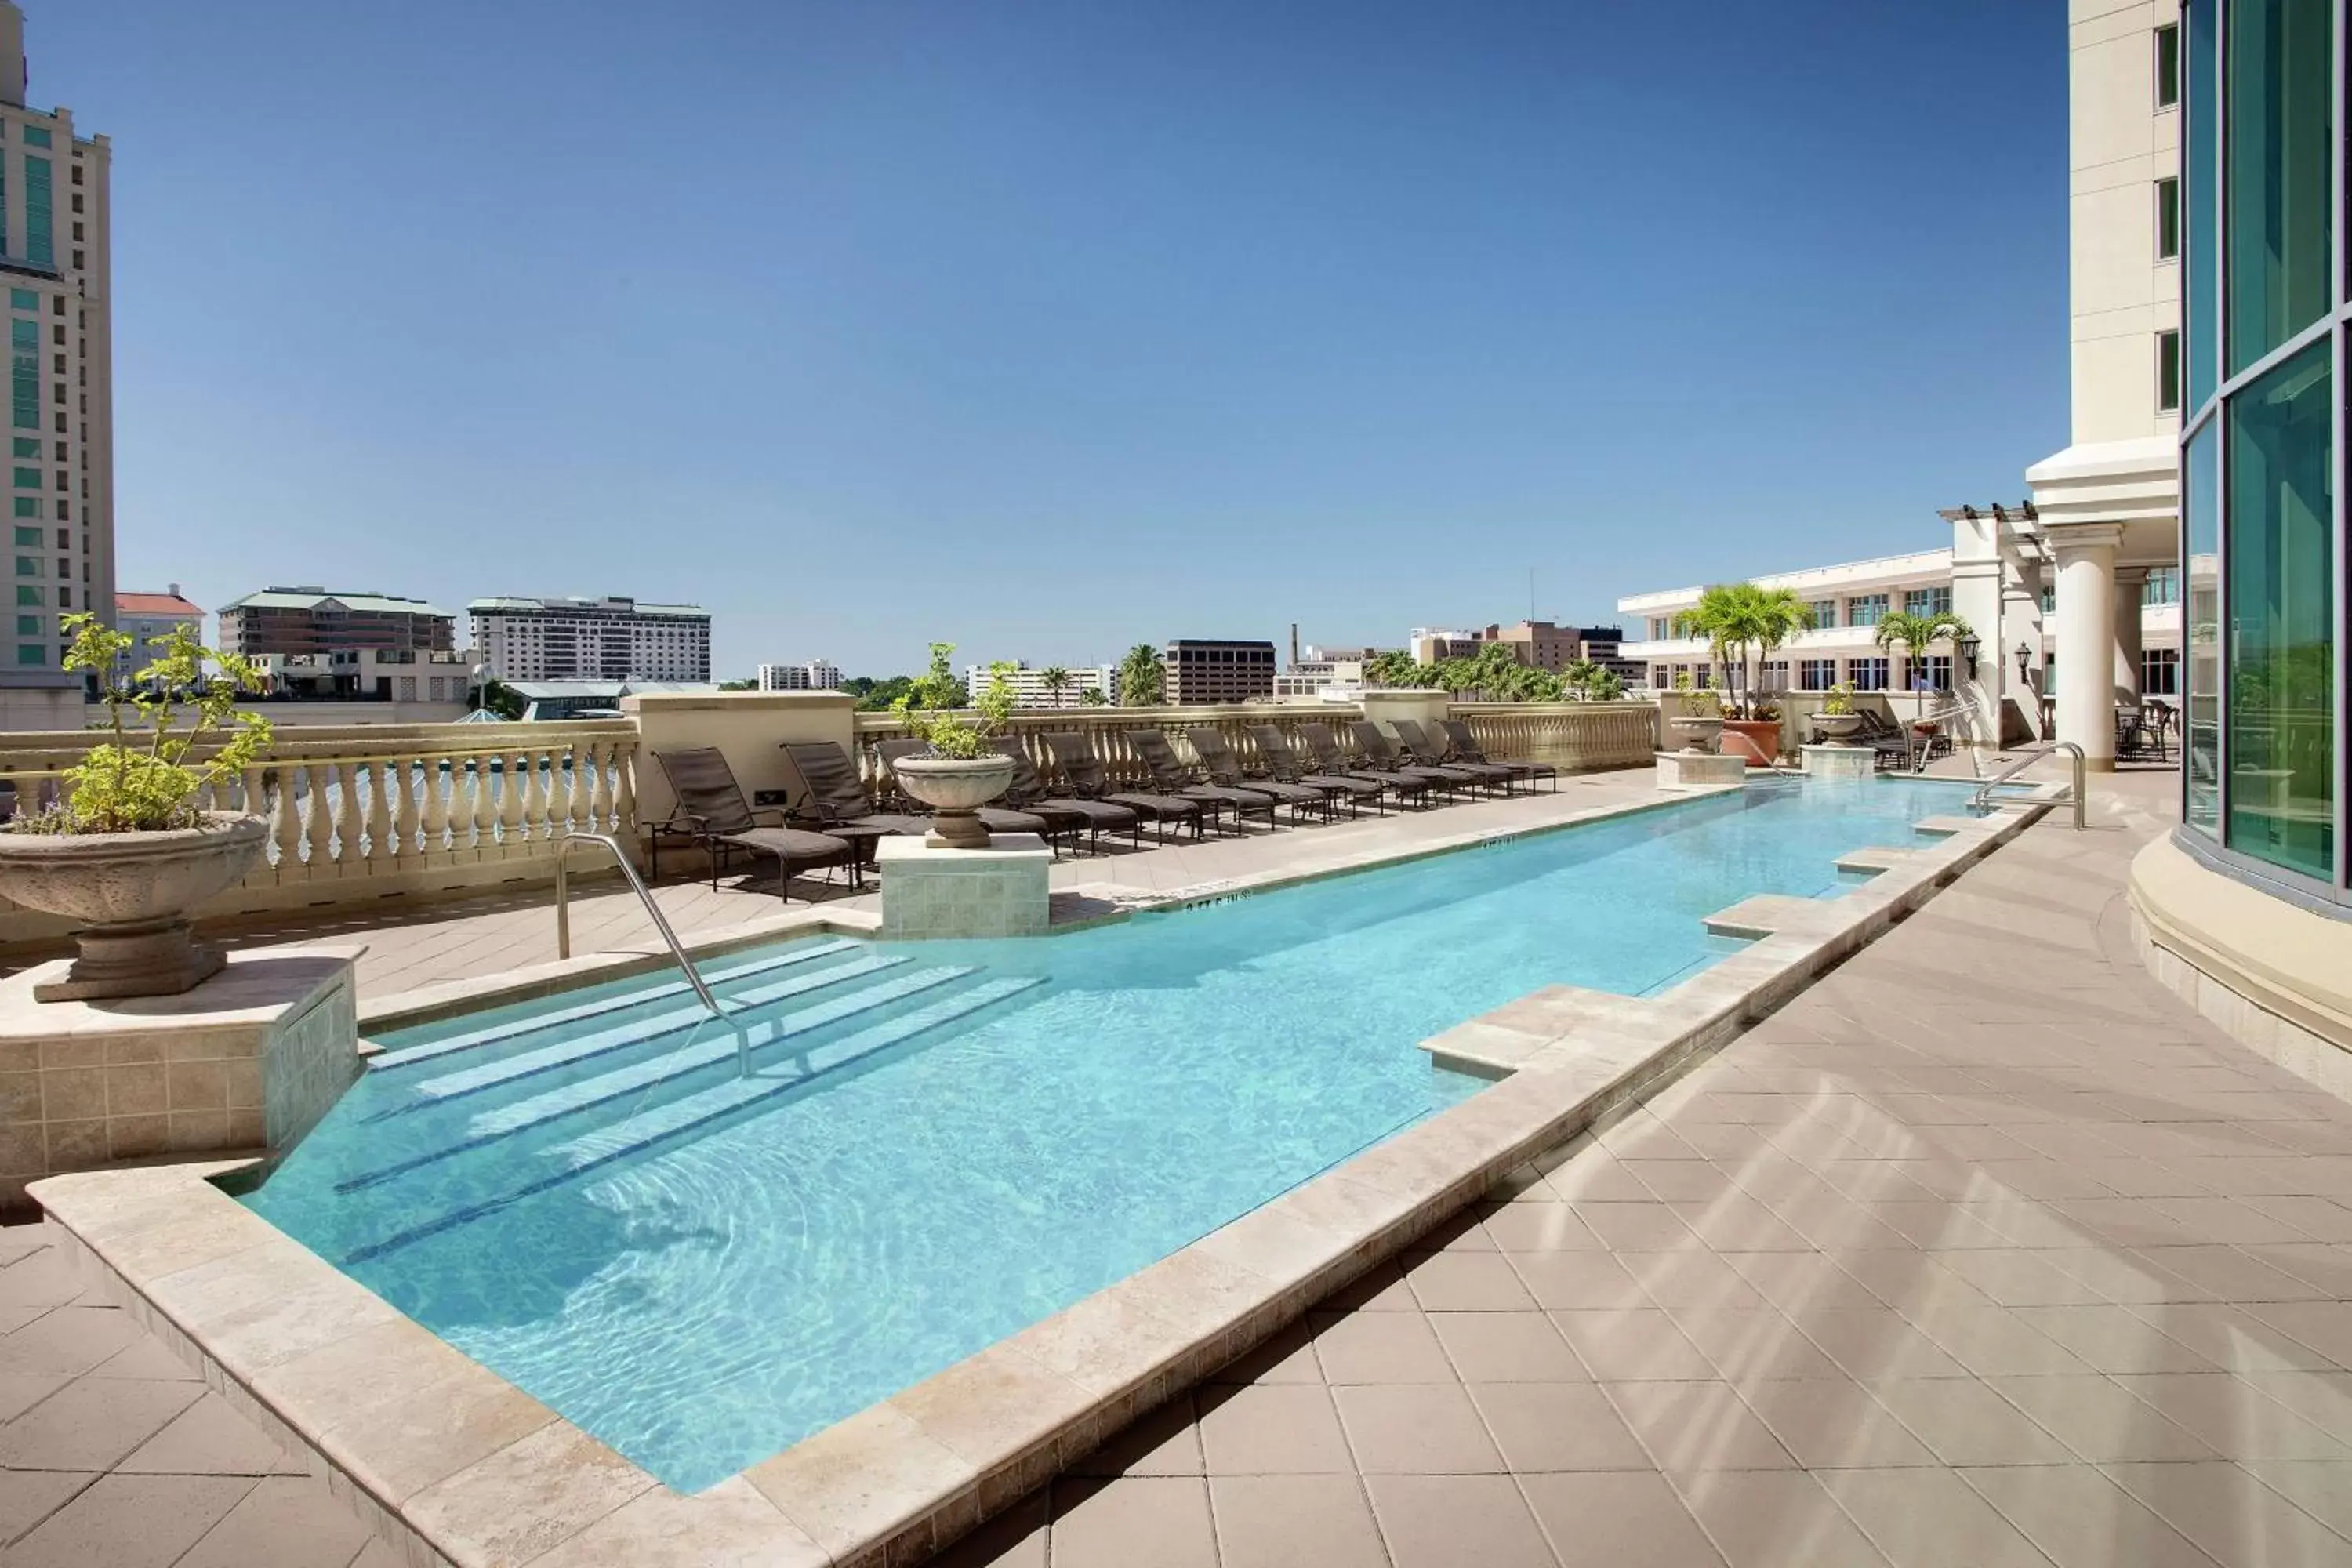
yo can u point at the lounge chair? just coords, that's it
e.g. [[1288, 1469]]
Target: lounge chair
[[1324, 748], [1083, 775], [1063, 812], [834, 801], [1381, 750], [1466, 746], [1168, 772], [1274, 754], [1423, 749], [712, 807], [1224, 770], [995, 818]]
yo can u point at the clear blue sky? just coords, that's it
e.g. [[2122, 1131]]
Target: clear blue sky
[[1050, 328]]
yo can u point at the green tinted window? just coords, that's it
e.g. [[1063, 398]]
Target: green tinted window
[[28, 653], [38, 246], [29, 506], [24, 334], [26, 479], [23, 300], [28, 536], [2200, 474], [29, 625], [36, 136], [28, 595], [2167, 67], [2280, 102], [24, 390], [28, 566], [2282, 632], [27, 447], [2168, 219], [2168, 372]]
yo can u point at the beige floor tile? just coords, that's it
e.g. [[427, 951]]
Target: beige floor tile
[[1617, 1521], [1137, 1521], [1540, 1227], [1966, 1423], [1273, 1428], [1449, 1522], [1467, 1282], [1636, 1226], [1545, 1426], [1834, 1424], [1507, 1347], [70, 1340], [2082, 1520], [2111, 1339], [285, 1521], [1872, 1344], [1930, 1518], [2099, 1419], [131, 1521], [2236, 1520], [1775, 1519], [1164, 1442], [1794, 1281], [1639, 1343], [91, 1424], [1698, 1426], [1419, 1430], [1381, 1347], [28, 1497], [1566, 1281], [2237, 1419], [1282, 1521], [1017, 1538], [2321, 1488], [209, 1438]]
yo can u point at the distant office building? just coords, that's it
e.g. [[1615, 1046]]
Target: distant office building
[[149, 619], [1203, 670], [816, 675], [1324, 673], [1429, 644], [591, 639], [313, 620], [1543, 645], [1029, 689], [55, 249]]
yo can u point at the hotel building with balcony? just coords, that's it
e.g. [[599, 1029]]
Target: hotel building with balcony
[[812, 674], [591, 639]]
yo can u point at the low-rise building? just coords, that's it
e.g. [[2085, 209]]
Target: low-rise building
[[368, 675], [148, 619], [314, 620], [1030, 691], [1324, 675], [814, 675], [611, 639], [1206, 669]]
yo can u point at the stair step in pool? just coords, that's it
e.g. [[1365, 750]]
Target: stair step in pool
[[691, 1110], [621, 1036], [641, 1077], [597, 1150], [514, 1029]]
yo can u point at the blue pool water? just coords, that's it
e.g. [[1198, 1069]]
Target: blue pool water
[[936, 1145]]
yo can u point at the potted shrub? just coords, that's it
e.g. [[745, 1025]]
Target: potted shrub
[[1736, 618], [1837, 720], [960, 774], [124, 851], [1700, 724]]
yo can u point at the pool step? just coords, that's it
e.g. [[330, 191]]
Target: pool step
[[622, 1036], [594, 1151], [514, 1029], [643, 1077]]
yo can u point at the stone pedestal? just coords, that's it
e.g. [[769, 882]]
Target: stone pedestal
[[1700, 770], [1834, 761], [928, 892], [247, 1061]]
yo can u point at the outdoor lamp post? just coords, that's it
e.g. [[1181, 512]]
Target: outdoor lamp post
[[2024, 661], [1969, 646]]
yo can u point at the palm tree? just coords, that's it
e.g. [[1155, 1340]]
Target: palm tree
[[1142, 677], [1917, 634], [1055, 680], [1735, 618]]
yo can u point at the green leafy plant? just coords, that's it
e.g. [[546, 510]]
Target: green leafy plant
[[1592, 682], [1092, 697], [1142, 677], [1398, 671], [126, 786], [1838, 701], [934, 712], [1696, 703], [1738, 618], [1055, 680], [1917, 634]]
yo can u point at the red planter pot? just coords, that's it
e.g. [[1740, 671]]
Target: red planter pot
[[1758, 740]]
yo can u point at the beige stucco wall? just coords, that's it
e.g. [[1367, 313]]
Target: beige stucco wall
[[748, 726], [2119, 144]]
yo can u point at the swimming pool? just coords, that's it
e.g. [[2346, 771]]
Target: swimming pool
[[936, 1145]]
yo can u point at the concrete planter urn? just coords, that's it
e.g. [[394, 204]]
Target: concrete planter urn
[[1700, 736], [131, 894], [1758, 740], [955, 788], [1837, 727]]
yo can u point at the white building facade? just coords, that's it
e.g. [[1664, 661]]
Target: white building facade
[[591, 639], [58, 265], [1029, 689], [814, 675]]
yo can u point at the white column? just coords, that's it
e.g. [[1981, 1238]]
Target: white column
[[1976, 599], [2131, 585], [2020, 624], [2086, 638]]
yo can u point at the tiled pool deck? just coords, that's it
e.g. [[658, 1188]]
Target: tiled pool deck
[[1982, 1238]]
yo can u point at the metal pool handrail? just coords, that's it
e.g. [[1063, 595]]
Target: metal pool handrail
[[644, 896], [1983, 798]]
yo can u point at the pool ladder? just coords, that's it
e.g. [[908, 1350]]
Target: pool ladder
[[644, 896], [1982, 801]]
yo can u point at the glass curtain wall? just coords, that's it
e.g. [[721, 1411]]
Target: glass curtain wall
[[2264, 310]]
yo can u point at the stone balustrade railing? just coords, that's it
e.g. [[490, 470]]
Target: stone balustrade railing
[[1574, 737], [359, 812]]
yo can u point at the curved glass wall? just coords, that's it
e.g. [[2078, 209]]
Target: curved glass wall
[[2265, 311]]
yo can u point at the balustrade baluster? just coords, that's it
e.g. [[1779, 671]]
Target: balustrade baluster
[[436, 807], [376, 816], [486, 818], [286, 815]]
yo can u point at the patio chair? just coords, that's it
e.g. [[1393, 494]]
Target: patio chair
[[995, 818], [1466, 746], [711, 807], [833, 801], [1063, 812], [1084, 776], [1279, 761], [1381, 751], [1225, 769], [1890, 746], [1324, 748], [1168, 772], [1424, 748]]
